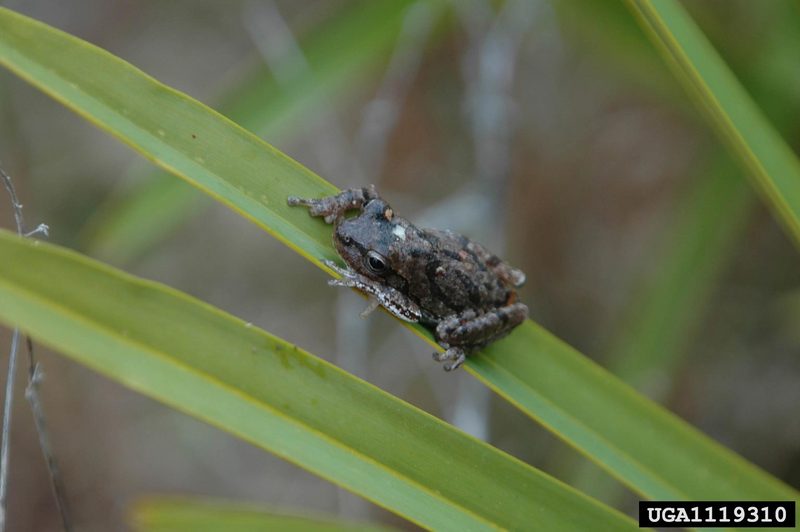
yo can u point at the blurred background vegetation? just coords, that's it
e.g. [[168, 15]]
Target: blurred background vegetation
[[550, 130]]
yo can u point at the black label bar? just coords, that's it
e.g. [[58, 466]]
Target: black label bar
[[738, 514]]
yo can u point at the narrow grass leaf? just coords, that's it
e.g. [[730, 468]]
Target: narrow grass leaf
[[204, 362]]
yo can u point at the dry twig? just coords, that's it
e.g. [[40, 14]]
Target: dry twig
[[35, 376]]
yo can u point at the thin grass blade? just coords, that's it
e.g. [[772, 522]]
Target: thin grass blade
[[209, 364]]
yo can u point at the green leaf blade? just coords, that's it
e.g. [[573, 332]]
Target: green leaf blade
[[213, 366]]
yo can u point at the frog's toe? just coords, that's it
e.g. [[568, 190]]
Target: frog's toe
[[330, 264], [335, 267], [441, 357], [373, 304], [453, 356], [457, 361], [316, 207], [294, 201]]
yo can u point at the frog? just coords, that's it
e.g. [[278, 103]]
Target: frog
[[453, 286]]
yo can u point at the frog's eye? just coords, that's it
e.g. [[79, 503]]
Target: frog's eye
[[375, 262]]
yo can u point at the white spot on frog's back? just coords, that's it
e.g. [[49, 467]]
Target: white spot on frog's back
[[399, 231], [517, 277]]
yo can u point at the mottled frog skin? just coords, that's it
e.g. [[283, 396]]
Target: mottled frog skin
[[445, 281]]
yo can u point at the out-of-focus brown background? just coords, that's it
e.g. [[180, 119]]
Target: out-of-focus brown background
[[549, 130]]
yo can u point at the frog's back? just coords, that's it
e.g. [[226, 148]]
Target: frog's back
[[453, 274]]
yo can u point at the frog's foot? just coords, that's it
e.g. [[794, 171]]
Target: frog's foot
[[453, 357], [392, 300], [332, 207], [351, 279]]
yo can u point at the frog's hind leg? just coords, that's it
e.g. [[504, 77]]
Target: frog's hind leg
[[511, 275], [332, 207], [463, 334], [473, 329]]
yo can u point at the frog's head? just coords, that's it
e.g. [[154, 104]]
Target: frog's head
[[364, 241]]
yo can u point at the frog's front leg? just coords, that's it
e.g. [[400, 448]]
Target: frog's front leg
[[333, 207], [397, 303], [467, 332]]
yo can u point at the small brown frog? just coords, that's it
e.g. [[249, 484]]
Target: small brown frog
[[445, 281]]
